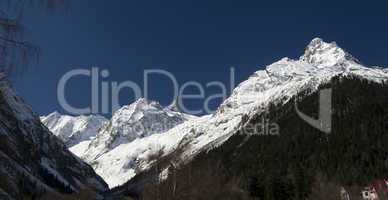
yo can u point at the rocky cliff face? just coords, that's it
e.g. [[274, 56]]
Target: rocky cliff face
[[34, 162]]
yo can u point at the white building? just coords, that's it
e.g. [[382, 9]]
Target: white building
[[369, 193]]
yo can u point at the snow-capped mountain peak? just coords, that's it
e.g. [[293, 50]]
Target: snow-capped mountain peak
[[137, 120], [135, 111], [320, 53]]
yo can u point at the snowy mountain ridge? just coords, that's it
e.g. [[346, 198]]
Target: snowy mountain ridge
[[73, 130], [137, 120], [277, 83]]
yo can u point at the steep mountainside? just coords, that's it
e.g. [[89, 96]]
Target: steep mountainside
[[33, 161]]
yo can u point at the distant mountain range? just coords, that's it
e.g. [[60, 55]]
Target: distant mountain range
[[113, 147]]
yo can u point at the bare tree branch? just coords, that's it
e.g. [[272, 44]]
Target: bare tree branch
[[15, 50]]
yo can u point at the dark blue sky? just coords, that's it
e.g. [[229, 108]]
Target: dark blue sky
[[194, 40]]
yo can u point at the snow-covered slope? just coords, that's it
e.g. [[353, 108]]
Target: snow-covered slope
[[32, 160], [73, 130], [277, 83]]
